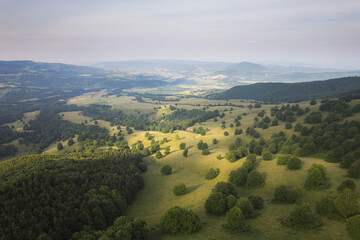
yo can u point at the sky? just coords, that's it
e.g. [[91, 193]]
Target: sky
[[320, 32]]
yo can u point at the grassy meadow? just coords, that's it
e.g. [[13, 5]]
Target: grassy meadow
[[157, 196]]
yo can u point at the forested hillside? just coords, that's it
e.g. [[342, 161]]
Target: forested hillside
[[55, 196], [293, 92]]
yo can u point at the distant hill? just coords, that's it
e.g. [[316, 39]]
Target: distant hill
[[243, 69], [293, 92], [8, 67], [178, 66], [65, 76]]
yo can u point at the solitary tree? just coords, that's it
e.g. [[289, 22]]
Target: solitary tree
[[60, 146], [235, 221]]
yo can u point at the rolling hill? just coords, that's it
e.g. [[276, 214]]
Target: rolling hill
[[293, 92]]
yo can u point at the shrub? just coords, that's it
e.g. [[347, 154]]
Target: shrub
[[180, 189], [166, 170], [255, 180], [158, 154], [294, 163], [288, 125], [185, 152], [301, 218], [224, 188], [257, 202], [238, 177], [219, 157], [246, 208], [167, 150], [326, 207], [348, 183], [285, 195], [316, 179], [313, 102], [226, 133], [353, 227], [267, 155], [354, 170], [205, 151], [178, 220], [347, 203], [212, 173], [283, 159], [235, 221], [215, 141], [216, 204], [182, 146]]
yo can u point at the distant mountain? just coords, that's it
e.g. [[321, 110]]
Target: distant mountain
[[8, 67], [293, 92], [65, 76], [177, 66]]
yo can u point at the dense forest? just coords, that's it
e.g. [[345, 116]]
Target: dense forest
[[293, 92], [55, 196]]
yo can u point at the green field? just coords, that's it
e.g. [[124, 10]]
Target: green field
[[157, 196]]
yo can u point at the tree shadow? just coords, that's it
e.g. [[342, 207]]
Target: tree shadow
[[193, 188]]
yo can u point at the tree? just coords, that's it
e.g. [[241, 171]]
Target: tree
[[182, 146], [238, 177], [185, 152], [205, 151], [212, 173], [288, 125], [235, 221], [216, 204], [224, 188], [267, 155], [246, 208], [158, 154], [70, 142], [347, 160], [285, 195], [354, 170], [180, 189], [316, 179], [326, 207], [294, 163], [353, 227], [167, 150], [283, 159], [255, 180], [166, 170], [313, 102], [140, 146], [226, 133], [231, 201], [257, 202], [179, 220], [215, 141], [60, 146], [145, 152], [302, 218], [347, 203], [348, 183]]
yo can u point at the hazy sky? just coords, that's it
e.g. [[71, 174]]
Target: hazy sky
[[77, 31]]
